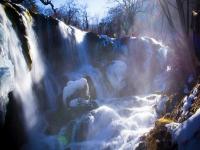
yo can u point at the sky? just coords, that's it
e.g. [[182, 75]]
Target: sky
[[95, 7]]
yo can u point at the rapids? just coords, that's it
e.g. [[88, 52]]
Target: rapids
[[122, 77]]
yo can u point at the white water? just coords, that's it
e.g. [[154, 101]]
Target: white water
[[117, 123], [23, 79]]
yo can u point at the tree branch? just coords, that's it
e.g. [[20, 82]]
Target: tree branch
[[48, 2], [44, 2]]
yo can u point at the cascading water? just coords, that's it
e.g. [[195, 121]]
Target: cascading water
[[112, 119], [117, 123], [22, 80]]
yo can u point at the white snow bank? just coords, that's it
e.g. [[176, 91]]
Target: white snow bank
[[188, 100], [116, 73], [73, 86], [188, 128], [183, 132]]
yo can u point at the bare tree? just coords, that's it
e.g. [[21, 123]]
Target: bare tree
[[48, 2], [129, 10], [94, 24], [121, 18], [84, 15], [69, 13]]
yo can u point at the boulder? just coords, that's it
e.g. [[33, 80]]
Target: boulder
[[76, 89]]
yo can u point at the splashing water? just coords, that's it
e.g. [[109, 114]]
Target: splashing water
[[23, 79], [38, 68], [117, 123], [69, 31]]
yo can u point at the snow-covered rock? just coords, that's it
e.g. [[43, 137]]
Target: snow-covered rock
[[76, 89], [188, 100], [188, 128], [106, 40], [184, 133]]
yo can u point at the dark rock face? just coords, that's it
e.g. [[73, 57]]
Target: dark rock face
[[49, 40], [2, 113], [160, 139], [13, 130]]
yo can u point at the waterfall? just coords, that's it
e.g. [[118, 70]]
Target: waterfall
[[23, 79], [37, 71], [38, 68], [117, 123], [85, 67], [123, 108]]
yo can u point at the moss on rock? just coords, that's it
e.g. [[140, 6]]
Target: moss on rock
[[159, 138]]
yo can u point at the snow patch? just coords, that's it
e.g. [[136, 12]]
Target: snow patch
[[184, 132], [188, 128], [188, 100], [106, 40], [73, 86]]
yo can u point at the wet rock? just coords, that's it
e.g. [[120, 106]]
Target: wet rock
[[160, 139], [76, 89], [13, 130], [76, 97]]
